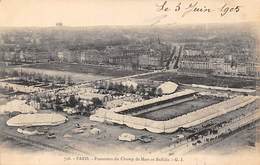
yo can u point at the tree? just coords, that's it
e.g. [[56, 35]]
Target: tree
[[15, 73], [39, 77], [84, 110], [58, 100], [2, 72], [69, 80], [152, 92], [159, 92], [117, 86], [131, 89], [97, 102], [72, 101], [45, 79], [120, 88], [110, 85], [37, 99], [140, 89]]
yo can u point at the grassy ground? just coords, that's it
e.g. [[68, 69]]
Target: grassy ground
[[180, 109], [210, 80]]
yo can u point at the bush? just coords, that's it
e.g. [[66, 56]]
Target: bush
[[97, 102]]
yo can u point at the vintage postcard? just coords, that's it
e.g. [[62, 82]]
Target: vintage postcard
[[129, 82]]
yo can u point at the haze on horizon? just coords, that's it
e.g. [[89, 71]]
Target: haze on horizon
[[106, 12]]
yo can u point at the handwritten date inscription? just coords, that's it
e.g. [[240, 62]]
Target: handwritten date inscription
[[196, 7]]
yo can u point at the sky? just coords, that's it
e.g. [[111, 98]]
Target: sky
[[118, 12]]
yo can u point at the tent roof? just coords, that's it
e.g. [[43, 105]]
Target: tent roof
[[168, 87], [36, 119]]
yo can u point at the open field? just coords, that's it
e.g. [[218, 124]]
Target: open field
[[180, 109], [99, 70], [93, 144], [230, 82]]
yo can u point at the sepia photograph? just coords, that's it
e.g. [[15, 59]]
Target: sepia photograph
[[129, 82]]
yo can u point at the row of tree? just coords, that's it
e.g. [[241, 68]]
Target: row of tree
[[141, 89]]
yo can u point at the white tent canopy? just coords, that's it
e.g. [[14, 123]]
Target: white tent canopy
[[36, 120], [167, 88]]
